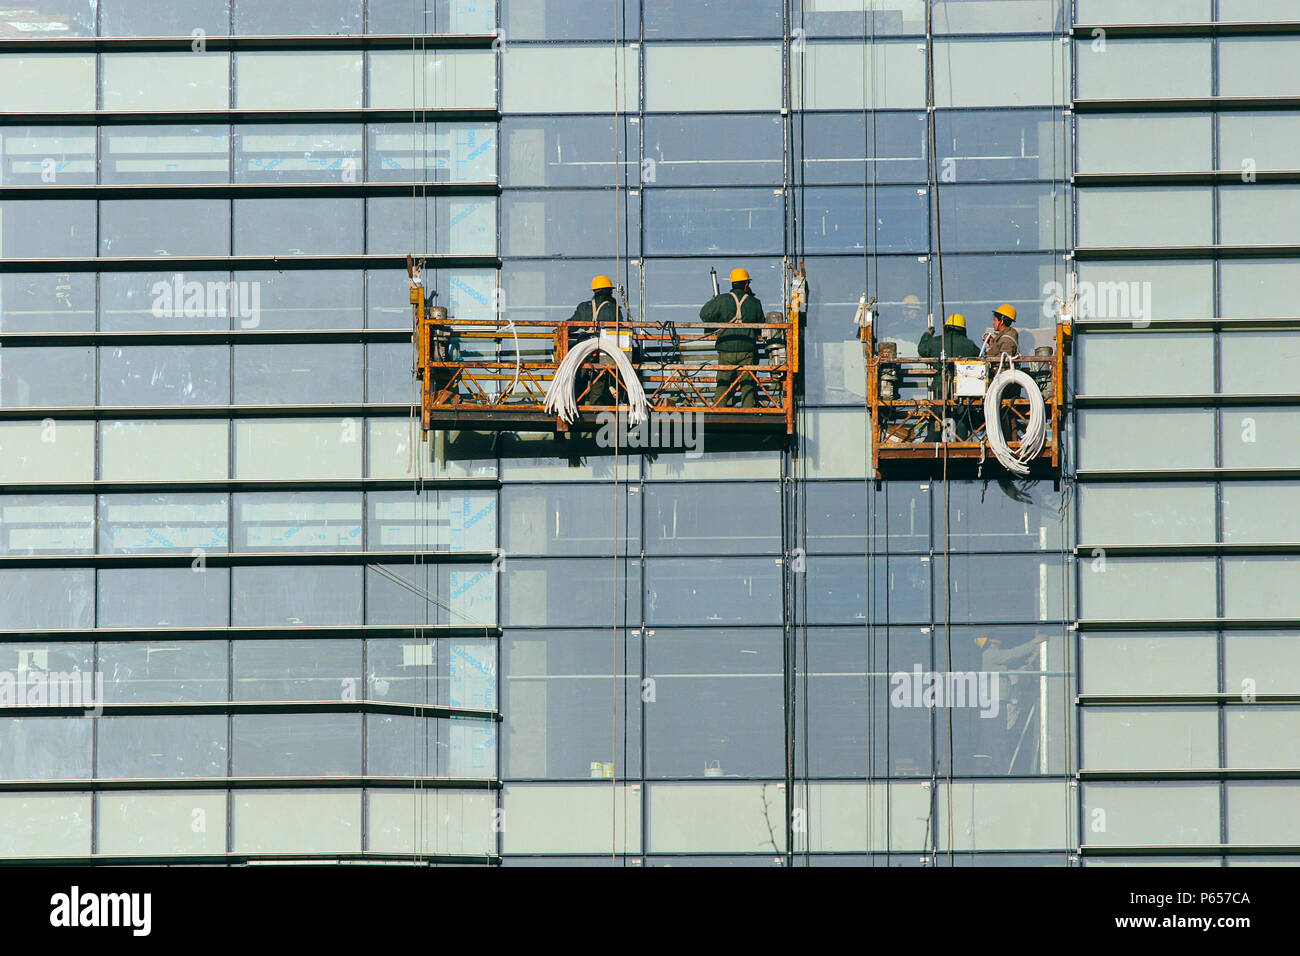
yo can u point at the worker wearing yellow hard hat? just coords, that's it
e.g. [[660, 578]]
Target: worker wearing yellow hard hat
[[737, 347], [952, 344], [594, 379], [601, 282]]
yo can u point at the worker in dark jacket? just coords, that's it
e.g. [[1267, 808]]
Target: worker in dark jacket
[[954, 344], [736, 346], [590, 316], [1005, 340]]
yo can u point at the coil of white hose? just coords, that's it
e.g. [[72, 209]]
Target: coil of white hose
[[1035, 431], [560, 397]]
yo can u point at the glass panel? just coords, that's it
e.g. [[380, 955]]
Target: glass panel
[[463, 79], [47, 451], [298, 154], [719, 591], [437, 16], [730, 518], [836, 444], [165, 154], [1259, 814], [400, 746], [53, 18], [1147, 588], [998, 145], [180, 597], [467, 294], [1140, 69], [1259, 512], [997, 16], [1002, 218], [453, 671], [45, 748], [1258, 214], [311, 299], [1259, 289], [462, 596], [852, 76], [569, 519], [162, 523], [1258, 66], [1172, 364], [1268, 737], [568, 151], [1261, 663], [171, 746], [166, 82], [1180, 216], [297, 821], [323, 17], [181, 301], [308, 80], [1260, 438], [439, 520], [742, 221], [306, 521], [1027, 516], [835, 219], [1146, 514], [715, 817], [308, 745], [462, 152], [734, 76], [687, 150], [297, 374], [962, 76], [1254, 141], [557, 700], [569, 593], [164, 227], [297, 227], [572, 223], [1171, 738], [1260, 587], [446, 822], [163, 451], [579, 79], [165, 671], [1142, 291], [1004, 586], [52, 825], [47, 302], [1259, 362], [60, 82], [47, 598], [164, 375], [1149, 143], [1142, 663], [157, 824], [713, 18], [47, 229], [283, 449], [47, 524], [998, 816], [297, 596], [36, 155], [448, 225], [1170, 438], [148, 18], [572, 818], [36, 377], [848, 149], [1147, 814], [1151, 11]]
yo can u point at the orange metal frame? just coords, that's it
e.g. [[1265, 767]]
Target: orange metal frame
[[898, 425], [475, 394]]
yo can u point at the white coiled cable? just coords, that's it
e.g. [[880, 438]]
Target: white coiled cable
[[1035, 432], [560, 397]]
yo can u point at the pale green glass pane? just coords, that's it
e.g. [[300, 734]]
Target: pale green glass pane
[[50, 825], [1258, 214], [965, 74], [995, 16], [1260, 513], [1261, 663], [1124, 439], [1147, 588], [1260, 362], [567, 79], [1150, 814], [163, 451], [166, 81], [445, 821], [1255, 141], [843, 817], [1260, 587], [854, 76], [835, 444], [1140, 69], [1245, 11], [297, 822], [452, 80], [390, 453], [572, 818], [1132, 144], [1259, 66], [1167, 738], [1006, 815], [148, 824], [1260, 438], [1181, 216], [744, 76], [1172, 363], [47, 83], [1260, 814], [308, 80], [49, 451], [1259, 736], [1143, 291], [1263, 289], [1148, 11], [716, 818], [1148, 664], [1146, 514], [302, 448]]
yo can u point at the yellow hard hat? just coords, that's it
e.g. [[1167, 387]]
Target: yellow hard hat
[[957, 320], [602, 282], [739, 275], [981, 641], [1007, 312]]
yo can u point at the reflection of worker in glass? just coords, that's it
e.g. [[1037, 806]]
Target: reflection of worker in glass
[[1009, 739], [912, 310], [590, 316]]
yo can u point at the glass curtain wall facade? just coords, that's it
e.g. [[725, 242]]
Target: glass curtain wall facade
[[1186, 431]]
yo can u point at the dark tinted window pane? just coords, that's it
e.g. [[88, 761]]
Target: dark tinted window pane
[[401, 746], [297, 670], [463, 595], [835, 219], [573, 519], [570, 593], [172, 746], [265, 596], [297, 227], [701, 221], [136, 671], [49, 229], [432, 16], [998, 218], [277, 745], [179, 597], [730, 518], [713, 590], [31, 377], [164, 227], [852, 149], [320, 16], [569, 19], [713, 18], [460, 152], [297, 374], [1003, 515], [153, 18], [45, 748], [986, 145], [47, 302]]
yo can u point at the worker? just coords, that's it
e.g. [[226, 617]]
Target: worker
[[954, 344], [589, 317], [736, 346], [1005, 340], [911, 311], [1009, 737]]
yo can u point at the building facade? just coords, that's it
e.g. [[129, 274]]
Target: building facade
[[312, 634]]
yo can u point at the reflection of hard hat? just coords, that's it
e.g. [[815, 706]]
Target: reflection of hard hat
[[602, 282], [956, 320], [1007, 312], [911, 301], [739, 275], [981, 641]]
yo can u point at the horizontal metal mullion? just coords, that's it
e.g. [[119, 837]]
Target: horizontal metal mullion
[[329, 41], [1218, 177], [1199, 28], [1186, 775], [1185, 104], [119, 412], [84, 635], [204, 337], [1185, 325], [115, 784], [204, 117], [249, 859], [1262, 251], [238, 707], [1195, 549], [1099, 625], [1184, 401], [233, 559], [245, 190], [1104, 476], [238, 485], [232, 263], [1181, 700], [1205, 849]]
